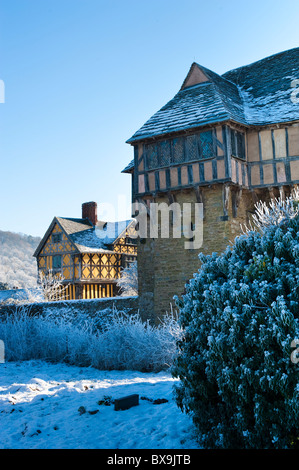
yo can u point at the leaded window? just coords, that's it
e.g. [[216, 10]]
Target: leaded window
[[56, 237], [191, 148], [237, 144], [240, 145], [206, 144], [152, 156], [178, 150], [164, 153]]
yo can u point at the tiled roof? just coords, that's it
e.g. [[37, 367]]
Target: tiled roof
[[256, 94], [129, 168], [266, 88], [99, 238], [88, 238], [85, 237], [74, 225]]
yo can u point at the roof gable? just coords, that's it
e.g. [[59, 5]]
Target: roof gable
[[210, 101], [56, 220], [257, 94], [193, 107], [86, 238], [195, 76]]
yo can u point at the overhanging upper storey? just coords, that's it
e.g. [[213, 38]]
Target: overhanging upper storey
[[209, 155]]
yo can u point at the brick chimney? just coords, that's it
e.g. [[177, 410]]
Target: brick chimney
[[90, 211]]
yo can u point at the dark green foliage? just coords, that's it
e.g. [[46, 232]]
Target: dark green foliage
[[240, 314]]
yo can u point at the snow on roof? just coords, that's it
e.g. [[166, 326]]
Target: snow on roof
[[129, 167], [89, 239], [110, 231], [256, 94], [266, 88], [194, 105]]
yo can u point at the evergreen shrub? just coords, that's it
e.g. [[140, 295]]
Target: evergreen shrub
[[239, 316]]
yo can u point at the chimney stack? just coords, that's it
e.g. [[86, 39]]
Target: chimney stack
[[90, 211]]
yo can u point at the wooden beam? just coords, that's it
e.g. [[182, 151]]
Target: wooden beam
[[236, 198], [226, 192], [171, 197], [141, 201], [198, 194], [200, 198]]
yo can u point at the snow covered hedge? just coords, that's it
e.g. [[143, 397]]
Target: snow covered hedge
[[123, 342], [240, 315]]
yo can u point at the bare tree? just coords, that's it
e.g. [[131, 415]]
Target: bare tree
[[52, 286], [128, 282]]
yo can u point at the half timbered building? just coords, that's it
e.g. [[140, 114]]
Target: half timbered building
[[226, 141], [86, 254]]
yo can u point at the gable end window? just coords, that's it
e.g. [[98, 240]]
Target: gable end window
[[56, 237], [130, 241]]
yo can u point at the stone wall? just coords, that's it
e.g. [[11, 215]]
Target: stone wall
[[165, 266]]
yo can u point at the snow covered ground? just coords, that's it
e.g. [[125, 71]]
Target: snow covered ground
[[57, 406]]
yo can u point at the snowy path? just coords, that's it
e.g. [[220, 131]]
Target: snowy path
[[39, 405]]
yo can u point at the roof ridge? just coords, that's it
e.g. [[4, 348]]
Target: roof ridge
[[75, 219], [272, 56], [254, 94], [221, 77]]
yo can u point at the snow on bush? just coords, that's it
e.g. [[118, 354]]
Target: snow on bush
[[128, 343], [239, 316], [124, 341]]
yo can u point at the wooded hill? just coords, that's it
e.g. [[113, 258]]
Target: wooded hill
[[17, 264]]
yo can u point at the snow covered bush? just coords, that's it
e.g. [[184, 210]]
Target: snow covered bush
[[129, 343], [123, 341], [240, 315], [29, 337]]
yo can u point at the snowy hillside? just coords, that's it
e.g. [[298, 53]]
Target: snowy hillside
[[58, 406], [17, 265]]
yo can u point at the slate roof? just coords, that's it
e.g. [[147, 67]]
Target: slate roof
[[265, 87], [99, 238], [74, 225], [87, 238], [129, 168], [256, 94]]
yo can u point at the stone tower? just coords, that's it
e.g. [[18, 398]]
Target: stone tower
[[224, 141]]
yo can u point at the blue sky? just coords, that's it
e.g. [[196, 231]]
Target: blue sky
[[81, 76]]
